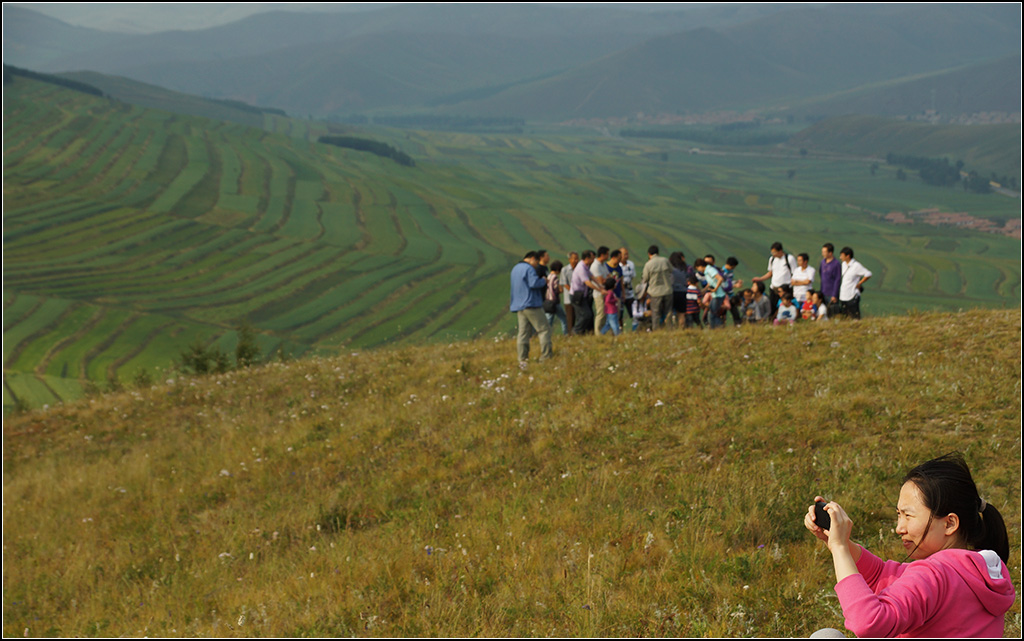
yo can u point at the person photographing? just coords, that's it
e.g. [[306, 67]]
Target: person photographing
[[957, 583]]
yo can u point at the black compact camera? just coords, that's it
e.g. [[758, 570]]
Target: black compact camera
[[821, 517]]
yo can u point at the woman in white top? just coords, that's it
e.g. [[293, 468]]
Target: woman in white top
[[803, 278]]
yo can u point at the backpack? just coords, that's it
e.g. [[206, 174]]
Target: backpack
[[552, 291], [727, 281]]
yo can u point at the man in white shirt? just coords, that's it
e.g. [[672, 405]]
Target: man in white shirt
[[803, 278], [565, 282], [854, 275], [780, 270], [599, 271], [628, 274]]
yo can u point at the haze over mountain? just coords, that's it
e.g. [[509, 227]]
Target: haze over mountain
[[555, 62], [153, 17]]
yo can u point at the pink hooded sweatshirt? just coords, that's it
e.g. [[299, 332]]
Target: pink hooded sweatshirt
[[952, 593]]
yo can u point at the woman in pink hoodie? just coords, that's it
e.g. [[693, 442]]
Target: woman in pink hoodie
[[957, 584]]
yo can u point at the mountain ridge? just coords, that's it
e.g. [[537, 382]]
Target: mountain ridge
[[411, 58]]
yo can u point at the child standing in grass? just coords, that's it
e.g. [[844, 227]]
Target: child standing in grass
[[611, 306], [957, 584], [693, 303]]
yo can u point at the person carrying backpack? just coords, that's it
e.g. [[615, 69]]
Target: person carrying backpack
[[780, 271]]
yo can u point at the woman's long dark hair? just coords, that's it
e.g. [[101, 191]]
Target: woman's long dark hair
[[677, 261], [947, 488]]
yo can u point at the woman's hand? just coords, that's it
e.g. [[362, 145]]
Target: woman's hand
[[842, 528], [809, 521], [845, 553]]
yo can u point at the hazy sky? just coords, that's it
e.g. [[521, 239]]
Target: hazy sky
[[143, 17]]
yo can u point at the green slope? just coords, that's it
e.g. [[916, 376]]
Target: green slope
[[966, 91], [129, 233], [985, 148], [651, 486]]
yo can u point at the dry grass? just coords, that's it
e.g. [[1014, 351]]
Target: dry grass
[[650, 485]]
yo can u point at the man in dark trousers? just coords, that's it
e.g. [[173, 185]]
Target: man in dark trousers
[[830, 271], [780, 271], [582, 289]]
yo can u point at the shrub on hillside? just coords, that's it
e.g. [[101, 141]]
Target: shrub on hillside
[[373, 146], [247, 352], [199, 359]]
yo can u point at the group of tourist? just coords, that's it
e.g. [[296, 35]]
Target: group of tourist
[[599, 290]]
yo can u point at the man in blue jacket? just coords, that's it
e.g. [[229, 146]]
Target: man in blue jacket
[[526, 303]]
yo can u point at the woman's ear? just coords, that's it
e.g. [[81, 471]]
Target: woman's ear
[[952, 524]]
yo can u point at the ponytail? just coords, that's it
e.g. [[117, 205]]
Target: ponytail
[[993, 534]]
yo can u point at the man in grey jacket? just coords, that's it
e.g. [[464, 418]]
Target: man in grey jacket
[[657, 277]]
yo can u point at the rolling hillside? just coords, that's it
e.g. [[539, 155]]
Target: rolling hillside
[[968, 91], [767, 63], [376, 71], [439, 491], [985, 148], [131, 233]]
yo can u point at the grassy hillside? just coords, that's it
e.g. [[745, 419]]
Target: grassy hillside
[[152, 96], [652, 485], [985, 148], [971, 89], [131, 233]]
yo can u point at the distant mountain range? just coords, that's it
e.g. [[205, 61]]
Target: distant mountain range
[[553, 63]]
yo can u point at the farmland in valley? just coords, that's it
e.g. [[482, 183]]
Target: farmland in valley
[[130, 233]]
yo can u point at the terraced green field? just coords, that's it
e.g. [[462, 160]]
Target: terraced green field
[[130, 233]]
